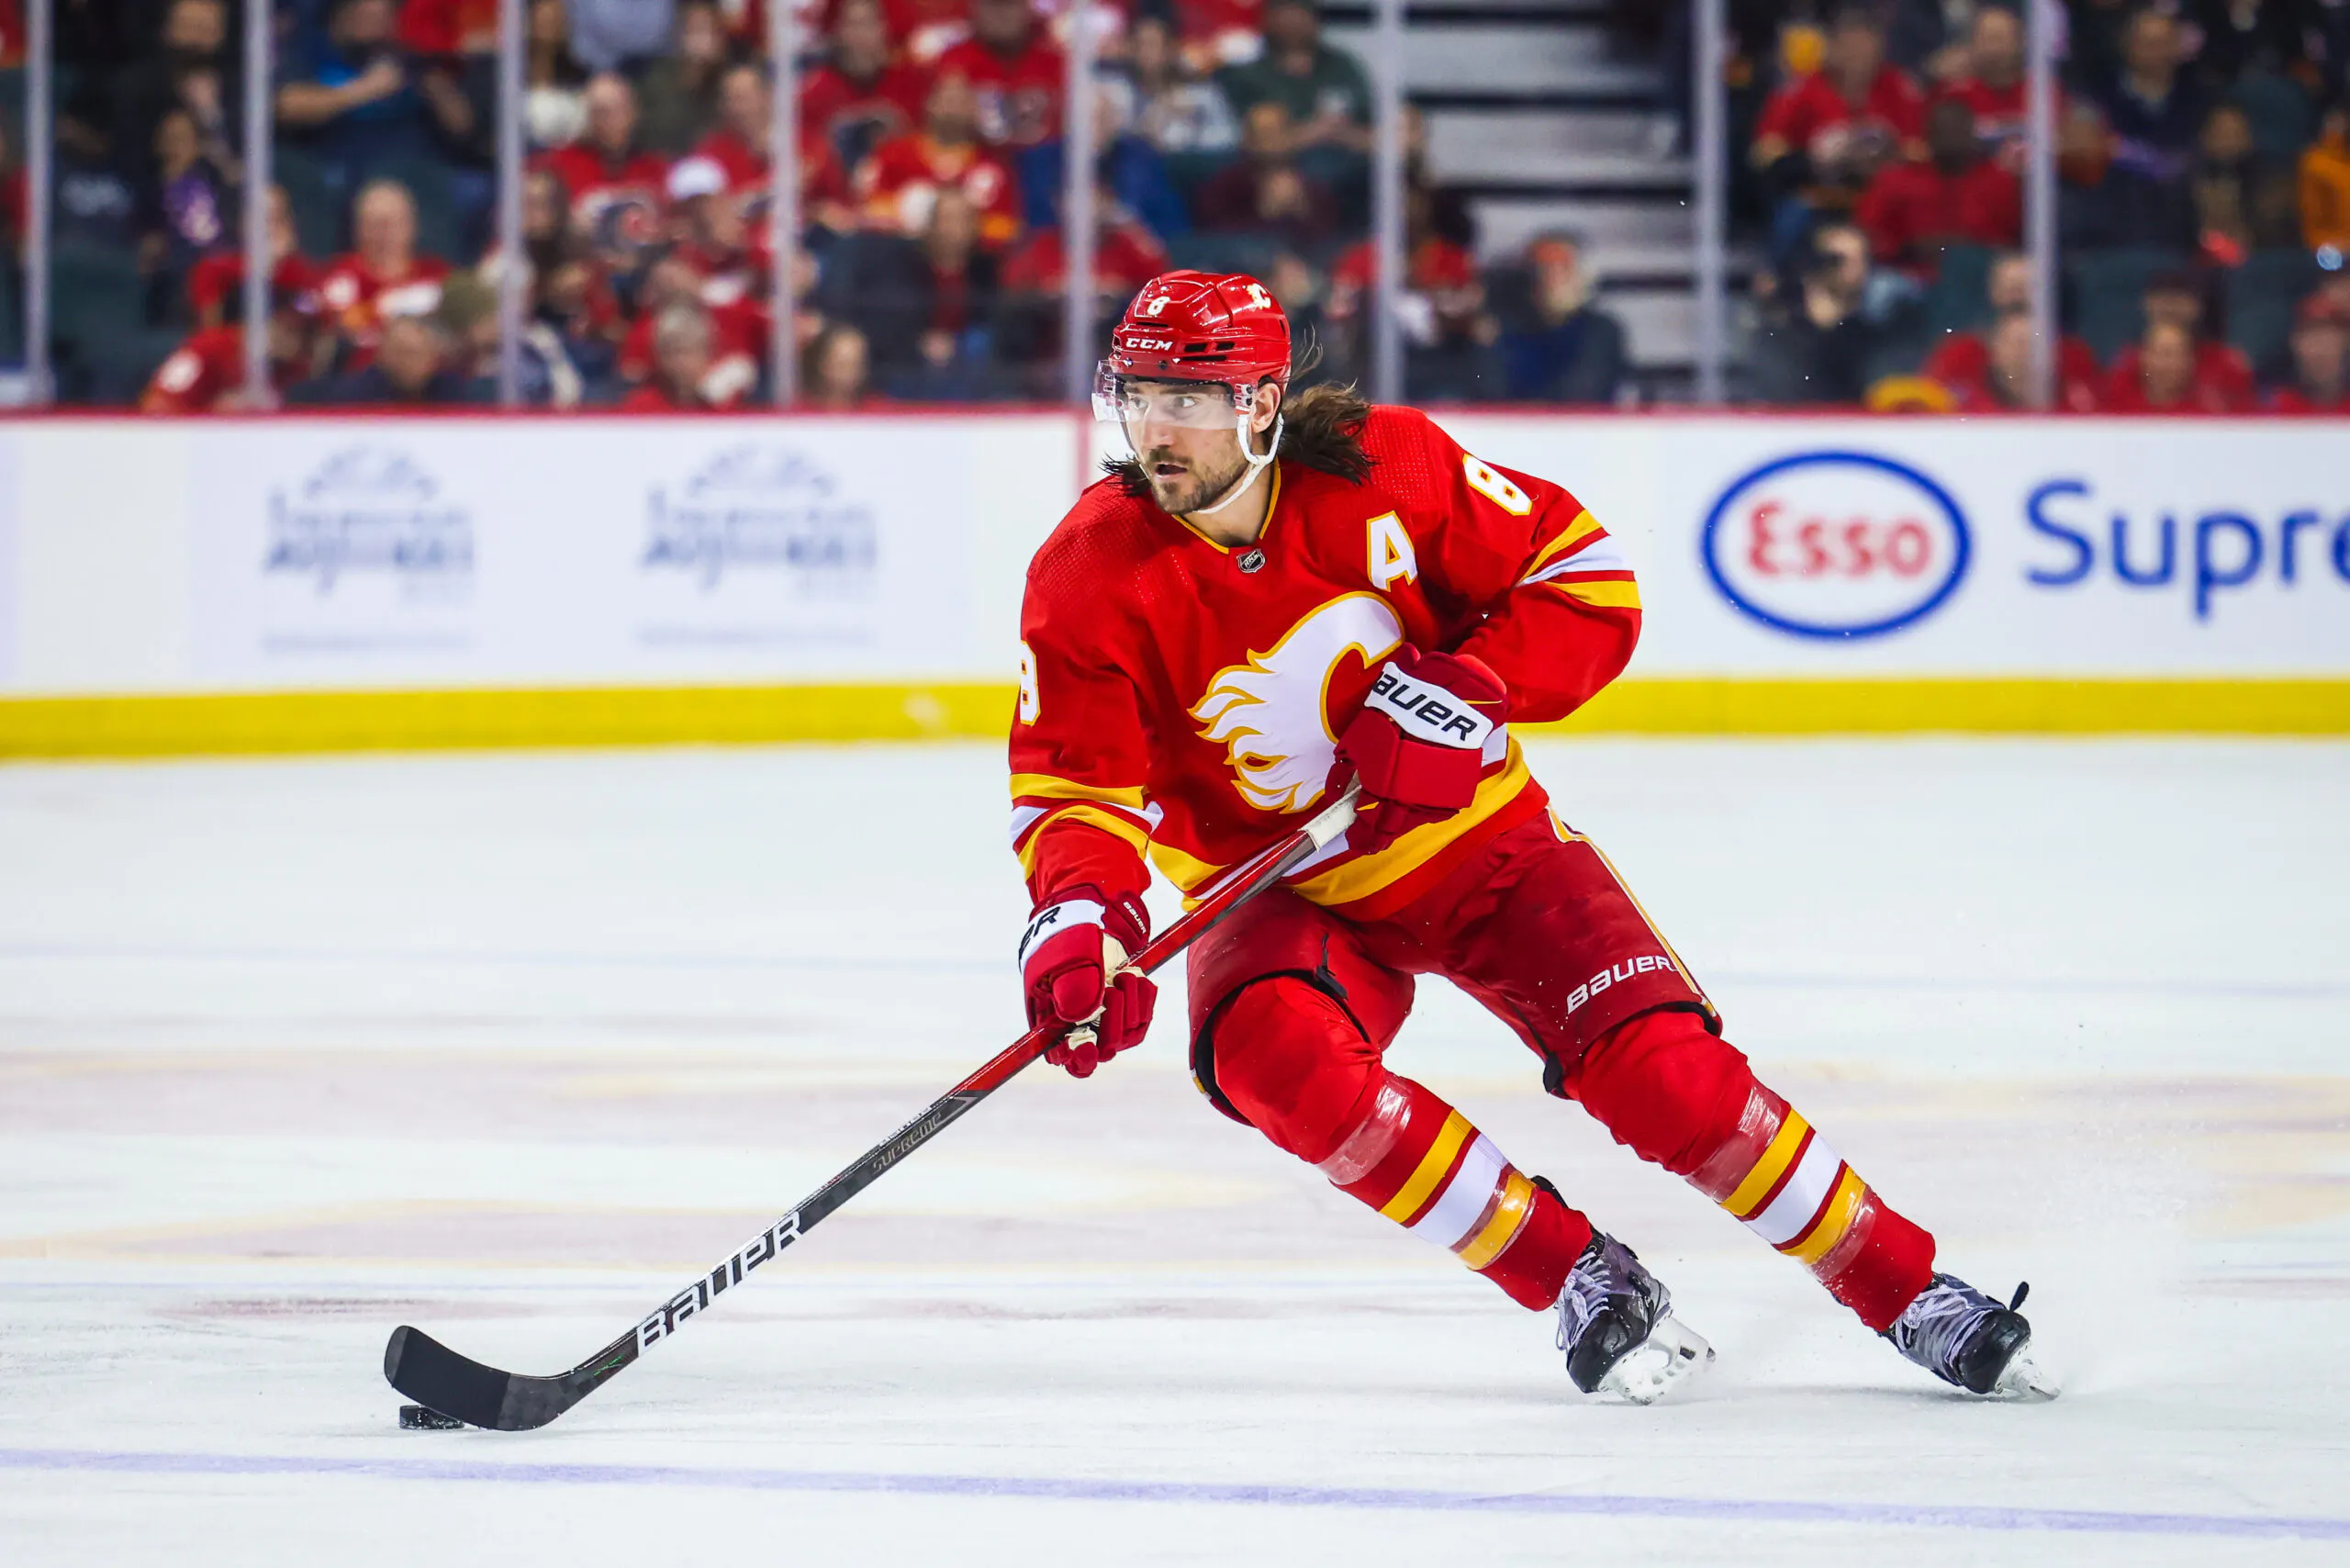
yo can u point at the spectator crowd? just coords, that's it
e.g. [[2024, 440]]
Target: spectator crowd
[[2202, 205], [2203, 202]]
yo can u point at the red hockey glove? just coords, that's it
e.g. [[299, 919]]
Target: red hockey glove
[[1072, 948], [1418, 743]]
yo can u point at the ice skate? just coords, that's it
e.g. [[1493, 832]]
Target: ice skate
[[1968, 1339], [1617, 1327]]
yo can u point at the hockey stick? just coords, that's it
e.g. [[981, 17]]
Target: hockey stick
[[464, 1389]]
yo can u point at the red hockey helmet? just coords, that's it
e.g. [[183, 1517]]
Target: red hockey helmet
[[1195, 326]]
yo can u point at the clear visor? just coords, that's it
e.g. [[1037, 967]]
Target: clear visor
[[1136, 405]]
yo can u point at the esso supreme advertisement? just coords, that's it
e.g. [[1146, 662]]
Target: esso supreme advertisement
[[1836, 545], [1772, 545]]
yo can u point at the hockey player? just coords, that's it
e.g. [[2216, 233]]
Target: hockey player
[[1276, 595]]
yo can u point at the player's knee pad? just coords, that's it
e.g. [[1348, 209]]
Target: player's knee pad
[[1285, 1055], [1666, 1087]]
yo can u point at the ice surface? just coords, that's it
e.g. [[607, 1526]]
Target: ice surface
[[505, 1046]]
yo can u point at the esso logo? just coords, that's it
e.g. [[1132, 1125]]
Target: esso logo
[[1836, 545]]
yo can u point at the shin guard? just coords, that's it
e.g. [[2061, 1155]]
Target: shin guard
[[1686, 1100], [1284, 1056]]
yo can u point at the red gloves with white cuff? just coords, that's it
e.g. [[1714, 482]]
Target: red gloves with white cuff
[[1418, 742], [1069, 967]]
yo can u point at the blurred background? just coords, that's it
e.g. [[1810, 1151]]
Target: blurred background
[[1594, 202]]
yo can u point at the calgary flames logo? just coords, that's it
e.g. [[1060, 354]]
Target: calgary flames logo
[[1271, 714]]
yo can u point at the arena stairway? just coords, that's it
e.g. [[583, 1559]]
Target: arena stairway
[[1535, 115]]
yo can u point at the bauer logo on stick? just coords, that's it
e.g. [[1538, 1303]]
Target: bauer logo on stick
[[1836, 545]]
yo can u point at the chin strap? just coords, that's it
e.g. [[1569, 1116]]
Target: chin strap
[[1256, 466]]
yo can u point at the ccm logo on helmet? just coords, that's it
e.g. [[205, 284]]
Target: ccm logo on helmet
[[1149, 346]]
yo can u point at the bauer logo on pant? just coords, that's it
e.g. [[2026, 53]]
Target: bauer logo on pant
[[1836, 545]]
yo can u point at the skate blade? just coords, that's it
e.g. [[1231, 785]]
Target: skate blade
[[2024, 1383], [1667, 1359]]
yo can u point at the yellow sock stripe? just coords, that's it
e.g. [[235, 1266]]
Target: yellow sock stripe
[[1744, 1203], [1834, 1221], [1432, 1167], [1510, 1214]]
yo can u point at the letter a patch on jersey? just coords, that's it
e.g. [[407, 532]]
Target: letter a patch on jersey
[[1391, 560]]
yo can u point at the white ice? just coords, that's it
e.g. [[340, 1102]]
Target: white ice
[[509, 1046]]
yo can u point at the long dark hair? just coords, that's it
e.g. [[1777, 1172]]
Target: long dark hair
[[1320, 430]]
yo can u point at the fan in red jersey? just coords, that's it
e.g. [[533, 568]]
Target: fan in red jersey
[[1275, 594], [206, 374], [1019, 73], [384, 275], [897, 185], [615, 184]]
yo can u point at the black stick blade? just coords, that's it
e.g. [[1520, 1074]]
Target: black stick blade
[[438, 1379]]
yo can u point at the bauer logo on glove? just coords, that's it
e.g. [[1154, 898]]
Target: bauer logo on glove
[[1071, 970], [1419, 743]]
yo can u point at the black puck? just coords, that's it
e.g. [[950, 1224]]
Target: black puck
[[416, 1419]]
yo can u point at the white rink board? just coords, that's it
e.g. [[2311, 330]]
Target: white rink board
[[423, 553], [334, 553], [2037, 593]]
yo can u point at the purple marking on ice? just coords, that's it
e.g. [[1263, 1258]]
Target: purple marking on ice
[[1757, 1510]]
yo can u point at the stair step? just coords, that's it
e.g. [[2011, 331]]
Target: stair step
[[1519, 57], [1505, 222], [1459, 138]]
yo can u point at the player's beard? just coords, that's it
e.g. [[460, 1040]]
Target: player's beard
[[1194, 488]]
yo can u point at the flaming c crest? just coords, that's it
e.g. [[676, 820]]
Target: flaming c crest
[[1270, 714]]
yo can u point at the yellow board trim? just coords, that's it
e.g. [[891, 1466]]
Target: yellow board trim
[[1044, 787], [1767, 1170], [1455, 1132], [1516, 1206], [1957, 705], [1841, 1210], [199, 724]]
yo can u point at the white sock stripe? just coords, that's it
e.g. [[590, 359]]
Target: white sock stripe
[[1464, 1197], [1792, 1211]]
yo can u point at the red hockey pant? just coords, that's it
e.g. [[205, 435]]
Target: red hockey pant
[[1293, 1007]]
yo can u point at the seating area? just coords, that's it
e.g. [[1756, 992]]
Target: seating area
[[2204, 172]]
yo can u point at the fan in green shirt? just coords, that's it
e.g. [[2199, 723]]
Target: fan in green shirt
[[1324, 88]]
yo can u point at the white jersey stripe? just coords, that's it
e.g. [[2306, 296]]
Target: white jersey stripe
[[1601, 554]]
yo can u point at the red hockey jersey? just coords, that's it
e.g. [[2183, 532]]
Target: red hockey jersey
[[1181, 699]]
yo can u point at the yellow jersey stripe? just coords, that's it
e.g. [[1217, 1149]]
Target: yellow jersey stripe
[[1583, 528], [1092, 816], [1743, 1203], [1431, 1170], [1359, 878], [1044, 787], [1607, 595]]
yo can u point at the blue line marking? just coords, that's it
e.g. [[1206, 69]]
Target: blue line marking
[[1758, 1511]]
